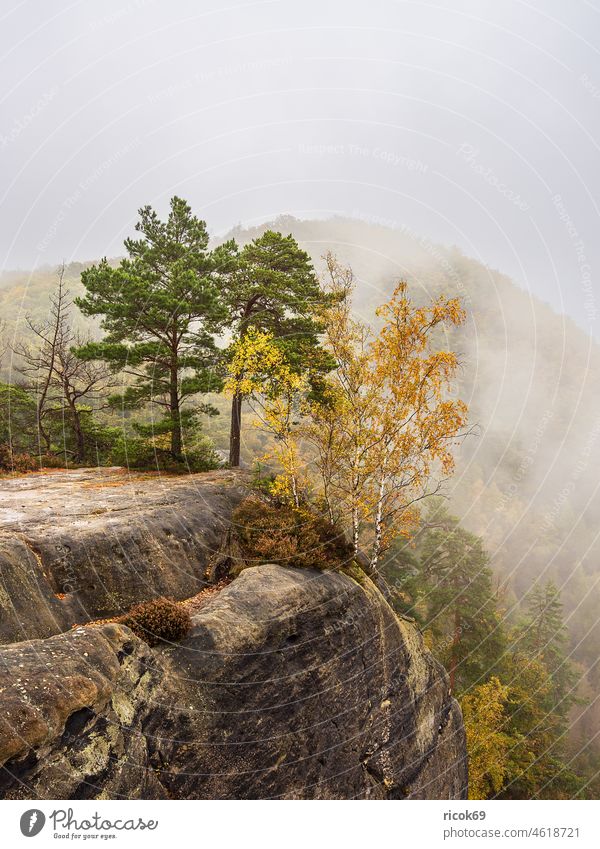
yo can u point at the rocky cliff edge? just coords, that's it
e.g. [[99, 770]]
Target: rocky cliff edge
[[292, 684]]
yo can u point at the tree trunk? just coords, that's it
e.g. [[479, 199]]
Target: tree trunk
[[235, 430], [327, 501], [79, 437], [57, 310], [295, 493], [355, 529], [41, 432], [379, 520], [175, 415], [176, 435]]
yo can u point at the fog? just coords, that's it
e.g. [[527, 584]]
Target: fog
[[453, 144], [472, 123]]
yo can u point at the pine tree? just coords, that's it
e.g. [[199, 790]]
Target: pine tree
[[543, 636], [161, 308], [401, 570], [461, 605], [273, 288]]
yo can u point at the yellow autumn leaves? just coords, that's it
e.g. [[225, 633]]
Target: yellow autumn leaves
[[378, 435], [488, 743]]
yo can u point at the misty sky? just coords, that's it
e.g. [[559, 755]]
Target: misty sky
[[472, 123]]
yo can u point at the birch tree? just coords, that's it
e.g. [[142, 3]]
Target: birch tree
[[260, 373], [383, 437]]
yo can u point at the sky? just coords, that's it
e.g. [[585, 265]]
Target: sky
[[473, 123]]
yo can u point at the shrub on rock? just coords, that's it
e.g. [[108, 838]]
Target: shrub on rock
[[16, 462], [156, 621], [278, 533]]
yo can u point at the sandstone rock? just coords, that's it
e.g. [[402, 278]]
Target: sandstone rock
[[293, 684], [28, 605], [89, 544], [70, 714]]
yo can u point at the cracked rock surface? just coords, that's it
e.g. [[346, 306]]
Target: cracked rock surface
[[293, 683]]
